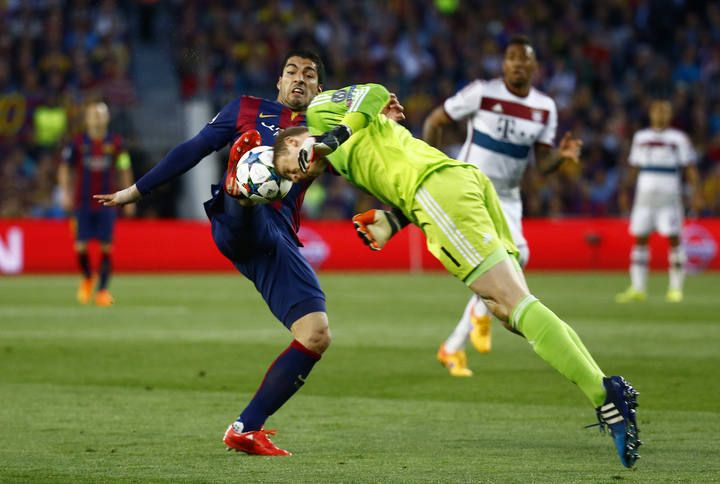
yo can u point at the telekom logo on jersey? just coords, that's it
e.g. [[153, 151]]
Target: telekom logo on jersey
[[11, 251]]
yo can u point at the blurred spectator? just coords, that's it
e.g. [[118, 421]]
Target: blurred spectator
[[52, 59], [601, 61]]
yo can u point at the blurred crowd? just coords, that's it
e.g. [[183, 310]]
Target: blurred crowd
[[600, 61], [54, 56]]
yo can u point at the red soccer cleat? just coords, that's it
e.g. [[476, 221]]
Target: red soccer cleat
[[256, 442]]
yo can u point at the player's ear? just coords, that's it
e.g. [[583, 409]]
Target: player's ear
[[278, 83], [320, 88]]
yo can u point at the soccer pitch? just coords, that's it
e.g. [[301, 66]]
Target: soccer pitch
[[143, 391]]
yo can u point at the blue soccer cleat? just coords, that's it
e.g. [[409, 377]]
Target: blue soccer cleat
[[617, 415]]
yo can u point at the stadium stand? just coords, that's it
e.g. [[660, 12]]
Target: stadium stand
[[600, 61]]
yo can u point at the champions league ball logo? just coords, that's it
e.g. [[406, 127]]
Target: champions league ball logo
[[700, 247]]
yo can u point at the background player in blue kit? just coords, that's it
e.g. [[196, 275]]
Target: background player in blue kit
[[260, 240], [91, 164]]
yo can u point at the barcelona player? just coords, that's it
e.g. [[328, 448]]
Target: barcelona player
[[91, 164], [458, 209], [260, 240]]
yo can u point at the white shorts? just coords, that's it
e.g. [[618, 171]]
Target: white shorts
[[512, 208], [665, 218]]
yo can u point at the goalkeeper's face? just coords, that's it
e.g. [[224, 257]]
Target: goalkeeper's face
[[298, 84], [287, 151]]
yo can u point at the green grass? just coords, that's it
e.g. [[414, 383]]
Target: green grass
[[144, 390]]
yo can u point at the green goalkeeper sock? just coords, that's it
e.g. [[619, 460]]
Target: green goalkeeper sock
[[557, 344]]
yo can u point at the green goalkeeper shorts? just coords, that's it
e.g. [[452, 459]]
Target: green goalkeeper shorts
[[459, 212]]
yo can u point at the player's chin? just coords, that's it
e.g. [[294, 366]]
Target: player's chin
[[298, 102]]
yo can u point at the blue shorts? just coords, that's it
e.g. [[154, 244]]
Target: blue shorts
[[261, 246], [95, 224]]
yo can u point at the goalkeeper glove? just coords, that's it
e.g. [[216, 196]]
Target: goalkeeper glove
[[314, 148], [376, 227], [247, 141]]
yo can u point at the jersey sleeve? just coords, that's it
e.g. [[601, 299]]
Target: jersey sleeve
[[686, 152], [222, 128], [328, 109], [547, 135], [369, 99], [465, 102]]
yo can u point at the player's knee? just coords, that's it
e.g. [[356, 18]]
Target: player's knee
[[313, 332], [319, 340]]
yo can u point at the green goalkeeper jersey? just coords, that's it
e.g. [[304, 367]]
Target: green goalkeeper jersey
[[383, 158]]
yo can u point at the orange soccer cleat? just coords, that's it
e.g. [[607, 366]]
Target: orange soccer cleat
[[480, 334], [84, 291], [456, 363], [256, 442], [103, 298]]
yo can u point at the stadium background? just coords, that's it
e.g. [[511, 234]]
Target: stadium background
[[164, 68], [143, 390]]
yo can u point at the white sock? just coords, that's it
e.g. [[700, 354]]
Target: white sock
[[457, 339], [676, 260], [639, 261]]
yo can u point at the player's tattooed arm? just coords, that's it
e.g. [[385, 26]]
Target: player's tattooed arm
[[568, 151], [434, 126]]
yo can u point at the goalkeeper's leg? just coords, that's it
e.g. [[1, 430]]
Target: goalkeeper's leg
[[503, 288]]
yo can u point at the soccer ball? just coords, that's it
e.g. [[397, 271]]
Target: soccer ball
[[257, 178]]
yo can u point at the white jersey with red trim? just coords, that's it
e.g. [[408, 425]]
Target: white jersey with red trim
[[660, 155], [502, 129]]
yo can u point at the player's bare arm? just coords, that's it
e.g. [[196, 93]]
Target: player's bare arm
[[122, 197], [434, 125], [65, 190], [126, 179], [568, 151]]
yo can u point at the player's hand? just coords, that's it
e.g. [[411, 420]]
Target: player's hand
[[374, 228], [128, 195], [247, 141], [393, 109], [307, 154], [569, 148], [315, 148]]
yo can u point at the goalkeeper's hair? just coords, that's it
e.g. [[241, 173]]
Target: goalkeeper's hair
[[308, 54], [280, 147]]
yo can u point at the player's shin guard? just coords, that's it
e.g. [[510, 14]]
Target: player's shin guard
[[639, 261], [284, 377], [555, 342], [676, 260]]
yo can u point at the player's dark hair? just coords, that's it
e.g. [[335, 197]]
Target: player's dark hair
[[519, 40], [280, 147], [309, 55]]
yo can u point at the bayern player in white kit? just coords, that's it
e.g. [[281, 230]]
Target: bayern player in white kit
[[509, 123], [660, 155]]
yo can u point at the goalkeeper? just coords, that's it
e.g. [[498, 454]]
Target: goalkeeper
[[457, 208]]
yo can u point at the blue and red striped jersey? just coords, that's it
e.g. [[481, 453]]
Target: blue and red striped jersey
[[93, 163], [238, 116]]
